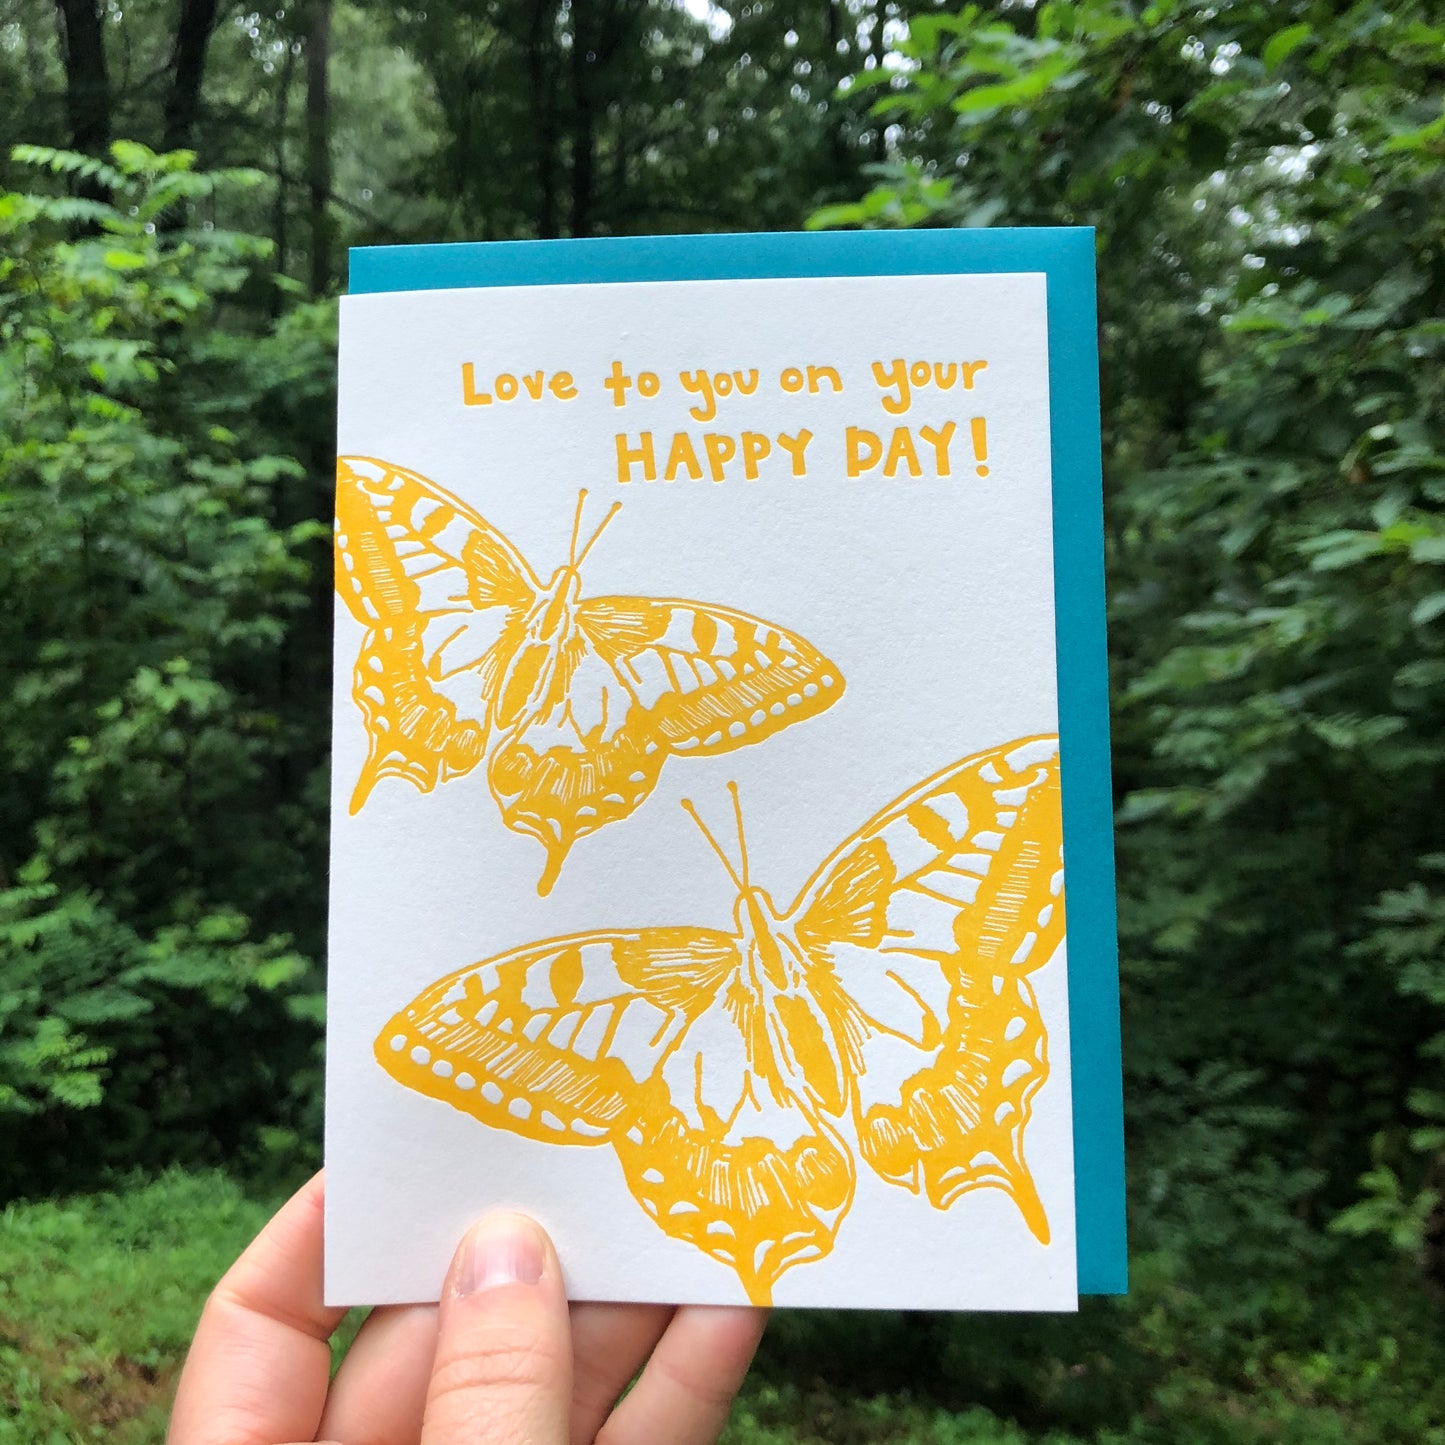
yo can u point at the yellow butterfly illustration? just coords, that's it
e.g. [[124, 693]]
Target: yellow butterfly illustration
[[887, 1013], [574, 703]]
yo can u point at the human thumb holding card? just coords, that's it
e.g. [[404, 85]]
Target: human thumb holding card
[[514, 1367], [503, 1368], [504, 1359]]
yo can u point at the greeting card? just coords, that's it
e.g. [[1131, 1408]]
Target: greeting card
[[720, 852]]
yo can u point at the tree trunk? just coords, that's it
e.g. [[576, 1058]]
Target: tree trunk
[[281, 212], [318, 143], [87, 80], [188, 68], [584, 138], [843, 173], [539, 73]]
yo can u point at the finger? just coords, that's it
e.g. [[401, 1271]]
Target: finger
[[609, 1344], [687, 1389], [503, 1369], [258, 1367], [379, 1393]]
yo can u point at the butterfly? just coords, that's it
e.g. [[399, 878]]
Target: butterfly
[[574, 703], [740, 1074]]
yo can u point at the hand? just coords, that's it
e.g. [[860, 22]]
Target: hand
[[501, 1361]]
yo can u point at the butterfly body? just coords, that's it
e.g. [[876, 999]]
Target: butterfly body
[[536, 677], [740, 1075], [800, 1054], [573, 703]]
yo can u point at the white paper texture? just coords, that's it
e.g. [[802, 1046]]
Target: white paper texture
[[933, 597]]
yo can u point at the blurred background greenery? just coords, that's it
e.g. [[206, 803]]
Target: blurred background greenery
[[179, 180]]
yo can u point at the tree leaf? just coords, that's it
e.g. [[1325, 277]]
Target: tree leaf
[[1283, 43]]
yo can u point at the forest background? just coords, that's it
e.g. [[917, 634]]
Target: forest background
[[179, 180]]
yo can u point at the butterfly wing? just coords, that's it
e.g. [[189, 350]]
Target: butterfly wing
[[442, 595], [636, 682], [707, 679], [639, 1040], [576, 760], [922, 930], [731, 1160]]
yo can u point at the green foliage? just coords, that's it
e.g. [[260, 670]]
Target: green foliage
[[98, 1301], [786, 1415], [636, 116], [1404, 1189], [1268, 189], [1268, 186], [99, 1296], [1265, 179], [156, 819]]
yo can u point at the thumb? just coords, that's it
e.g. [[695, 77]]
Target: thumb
[[503, 1368]]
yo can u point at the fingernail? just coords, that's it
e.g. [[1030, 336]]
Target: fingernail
[[502, 1249]]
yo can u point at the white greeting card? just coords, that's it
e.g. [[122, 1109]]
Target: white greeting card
[[696, 870]]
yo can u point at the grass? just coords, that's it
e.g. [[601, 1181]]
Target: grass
[[99, 1296], [98, 1299], [785, 1415]]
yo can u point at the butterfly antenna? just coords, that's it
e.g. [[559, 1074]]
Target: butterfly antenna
[[572, 558], [713, 843], [742, 840], [616, 508]]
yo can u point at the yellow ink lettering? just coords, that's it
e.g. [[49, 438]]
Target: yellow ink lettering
[[699, 383], [901, 449], [720, 451], [508, 387], [470, 395], [979, 428], [906, 377], [864, 450], [642, 454], [796, 447], [647, 383], [820, 374], [895, 375], [939, 441], [755, 447], [682, 454], [791, 380], [617, 383]]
